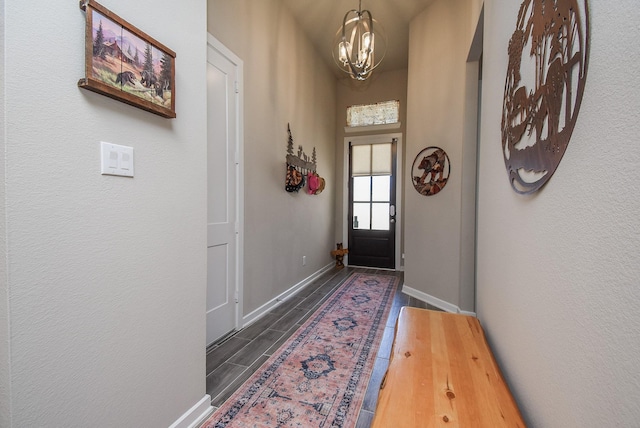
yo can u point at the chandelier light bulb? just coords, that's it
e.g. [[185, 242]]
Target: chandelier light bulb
[[367, 40], [356, 44], [344, 48]]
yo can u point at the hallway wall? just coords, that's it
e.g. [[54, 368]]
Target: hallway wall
[[439, 42], [103, 297], [558, 270], [284, 82], [5, 360]]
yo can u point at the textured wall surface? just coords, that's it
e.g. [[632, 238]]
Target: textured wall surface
[[439, 42], [5, 364], [558, 271], [285, 82], [106, 275]]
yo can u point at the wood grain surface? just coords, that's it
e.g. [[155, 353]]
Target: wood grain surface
[[443, 374]]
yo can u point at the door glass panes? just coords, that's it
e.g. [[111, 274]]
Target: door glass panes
[[361, 216], [381, 188], [381, 159], [380, 216], [371, 181], [361, 160], [362, 189]]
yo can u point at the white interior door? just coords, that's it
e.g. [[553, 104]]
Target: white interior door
[[223, 185]]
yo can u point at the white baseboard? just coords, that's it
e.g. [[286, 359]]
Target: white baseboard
[[434, 301], [195, 415], [282, 297]]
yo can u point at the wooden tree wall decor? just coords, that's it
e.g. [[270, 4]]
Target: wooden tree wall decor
[[430, 171], [302, 170], [546, 74]]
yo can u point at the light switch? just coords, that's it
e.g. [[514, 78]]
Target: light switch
[[113, 159], [125, 163], [116, 159]]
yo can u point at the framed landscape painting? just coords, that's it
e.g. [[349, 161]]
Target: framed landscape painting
[[126, 64]]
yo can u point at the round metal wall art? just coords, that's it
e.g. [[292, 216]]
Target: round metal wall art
[[546, 74], [430, 171]]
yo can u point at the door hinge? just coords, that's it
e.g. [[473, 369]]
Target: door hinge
[[236, 227], [236, 297], [237, 87]]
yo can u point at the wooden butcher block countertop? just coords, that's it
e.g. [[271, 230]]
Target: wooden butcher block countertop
[[442, 374]]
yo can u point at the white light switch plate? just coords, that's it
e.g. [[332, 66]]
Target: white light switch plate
[[116, 160]]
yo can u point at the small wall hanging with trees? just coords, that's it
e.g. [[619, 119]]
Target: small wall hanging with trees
[[546, 74], [301, 170]]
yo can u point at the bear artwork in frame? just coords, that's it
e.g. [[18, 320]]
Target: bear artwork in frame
[[126, 64]]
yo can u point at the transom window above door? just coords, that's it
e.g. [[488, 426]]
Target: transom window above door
[[382, 113]]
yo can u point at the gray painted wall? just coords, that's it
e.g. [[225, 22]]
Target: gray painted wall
[[105, 280], [285, 82], [5, 362], [439, 42], [558, 271]]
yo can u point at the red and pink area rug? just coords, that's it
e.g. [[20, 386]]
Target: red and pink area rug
[[318, 378]]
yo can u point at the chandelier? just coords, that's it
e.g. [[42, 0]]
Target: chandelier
[[358, 49]]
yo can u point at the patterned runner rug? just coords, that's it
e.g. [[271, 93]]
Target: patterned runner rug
[[318, 378]]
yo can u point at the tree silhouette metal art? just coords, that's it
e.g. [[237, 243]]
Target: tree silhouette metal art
[[546, 74]]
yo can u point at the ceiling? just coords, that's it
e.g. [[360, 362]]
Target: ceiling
[[322, 18]]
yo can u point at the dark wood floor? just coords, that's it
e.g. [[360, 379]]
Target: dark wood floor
[[234, 359]]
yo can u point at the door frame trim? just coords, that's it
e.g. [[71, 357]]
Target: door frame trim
[[239, 220], [374, 139]]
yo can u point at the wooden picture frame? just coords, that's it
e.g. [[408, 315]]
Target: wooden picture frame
[[124, 63]]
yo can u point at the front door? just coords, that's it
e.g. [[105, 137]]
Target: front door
[[222, 191], [372, 204]]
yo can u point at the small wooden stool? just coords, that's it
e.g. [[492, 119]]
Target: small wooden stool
[[339, 253]]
